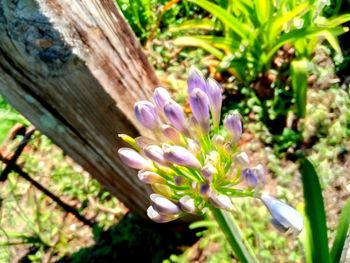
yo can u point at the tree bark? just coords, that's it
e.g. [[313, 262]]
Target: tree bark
[[74, 68]]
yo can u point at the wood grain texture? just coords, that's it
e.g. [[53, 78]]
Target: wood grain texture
[[74, 69]]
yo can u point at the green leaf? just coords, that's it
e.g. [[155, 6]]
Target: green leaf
[[333, 41], [302, 33], [198, 42], [333, 22], [342, 230], [316, 228], [299, 74], [277, 24], [264, 10], [234, 236], [204, 24], [226, 18]]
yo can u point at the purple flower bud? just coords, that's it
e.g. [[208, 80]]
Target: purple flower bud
[[133, 159], [208, 171], [179, 180], [156, 154], [146, 114], [187, 204], [260, 171], [143, 141], [175, 115], [161, 97], [215, 100], [221, 201], [158, 218], [204, 189], [284, 216], [181, 156], [250, 177], [195, 80], [242, 159], [172, 134], [148, 177], [233, 125], [200, 108], [164, 206]]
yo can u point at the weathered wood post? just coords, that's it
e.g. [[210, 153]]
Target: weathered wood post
[[75, 69]]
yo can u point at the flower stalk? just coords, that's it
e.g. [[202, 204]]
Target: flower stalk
[[229, 226]]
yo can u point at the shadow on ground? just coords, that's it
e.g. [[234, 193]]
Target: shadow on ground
[[134, 239]]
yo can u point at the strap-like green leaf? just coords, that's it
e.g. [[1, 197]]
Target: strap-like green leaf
[[204, 24], [225, 17], [279, 21], [299, 74], [302, 33], [198, 42], [264, 10], [342, 230], [316, 230]]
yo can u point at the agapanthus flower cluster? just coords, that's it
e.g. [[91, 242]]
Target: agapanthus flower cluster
[[193, 164]]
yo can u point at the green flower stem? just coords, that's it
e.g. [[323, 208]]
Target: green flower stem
[[228, 225]]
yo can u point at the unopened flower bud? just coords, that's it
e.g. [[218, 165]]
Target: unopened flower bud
[[161, 97], [260, 171], [250, 177], [172, 134], [284, 216], [179, 180], [146, 114], [143, 141], [164, 206], [175, 115], [158, 218], [156, 154], [195, 80], [242, 159], [221, 201], [133, 159], [148, 177], [233, 125], [187, 204], [215, 100], [208, 171], [162, 189], [193, 146], [181, 156], [212, 157], [200, 108], [204, 189], [218, 140]]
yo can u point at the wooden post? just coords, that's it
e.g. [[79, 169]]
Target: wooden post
[[74, 69]]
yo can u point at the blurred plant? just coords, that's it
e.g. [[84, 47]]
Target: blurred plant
[[196, 167], [259, 41], [315, 237], [145, 16], [8, 118]]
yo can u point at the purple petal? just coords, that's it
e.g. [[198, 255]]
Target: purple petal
[[215, 100], [161, 97], [200, 108], [175, 115], [181, 156], [233, 125], [195, 80], [146, 114], [133, 159]]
